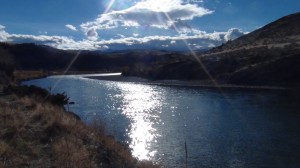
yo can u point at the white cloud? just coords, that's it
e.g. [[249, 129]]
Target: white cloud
[[41, 32], [193, 1], [233, 33], [148, 13], [2, 27], [135, 35], [92, 34], [198, 39], [60, 42], [71, 27], [121, 35], [3, 34]]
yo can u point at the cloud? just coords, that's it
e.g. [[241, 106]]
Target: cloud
[[60, 42], [41, 32], [92, 34], [233, 33], [2, 27], [3, 34], [197, 40], [193, 1], [135, 34], [121, 35], [148, 13], [71, 27]]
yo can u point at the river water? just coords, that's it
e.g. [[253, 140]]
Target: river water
[[221, 128]]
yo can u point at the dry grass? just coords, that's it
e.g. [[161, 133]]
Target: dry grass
[[27, 75], [70, 151], [35, 134]]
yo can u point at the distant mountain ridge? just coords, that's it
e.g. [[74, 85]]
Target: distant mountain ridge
[[30, 56]]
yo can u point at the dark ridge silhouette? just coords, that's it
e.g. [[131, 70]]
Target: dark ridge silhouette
[[38, 57]]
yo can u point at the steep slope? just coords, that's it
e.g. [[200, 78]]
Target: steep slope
[[281, 31], [267, 56]]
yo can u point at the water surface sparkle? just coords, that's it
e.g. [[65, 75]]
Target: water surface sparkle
[[138, 104]]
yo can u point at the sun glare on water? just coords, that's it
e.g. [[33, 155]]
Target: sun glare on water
[[138, 104]]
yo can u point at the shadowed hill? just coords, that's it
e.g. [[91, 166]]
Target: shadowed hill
[[267, 56], [37, 57], [7, 67], [283, 30]]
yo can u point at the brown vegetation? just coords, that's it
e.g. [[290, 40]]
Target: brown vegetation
[[41, 134], [29, 75]]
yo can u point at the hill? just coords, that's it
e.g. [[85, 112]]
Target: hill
[[282, 31], [7, 67], [39, 57], [267, 56]]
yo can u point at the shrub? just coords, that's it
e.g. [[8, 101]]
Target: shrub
[[59, 99]]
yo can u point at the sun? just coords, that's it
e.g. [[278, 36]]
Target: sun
[[157, 6]]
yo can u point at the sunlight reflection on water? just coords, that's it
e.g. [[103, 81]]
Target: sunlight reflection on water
[[138, 102]]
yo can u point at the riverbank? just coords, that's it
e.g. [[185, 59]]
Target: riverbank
[[37, 132], [29, 75], [20, 75], [181, 83]]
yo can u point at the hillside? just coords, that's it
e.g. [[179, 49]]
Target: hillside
[[279, 33], [39, 57], [267, 56], [7, 67]]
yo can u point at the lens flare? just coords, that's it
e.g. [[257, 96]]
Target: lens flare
[[116, 5], [66, 70], [193, 52], [109, 6]]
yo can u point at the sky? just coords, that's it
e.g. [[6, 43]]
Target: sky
[[136, 24]]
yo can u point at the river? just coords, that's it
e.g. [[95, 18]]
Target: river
[[220, 127]]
